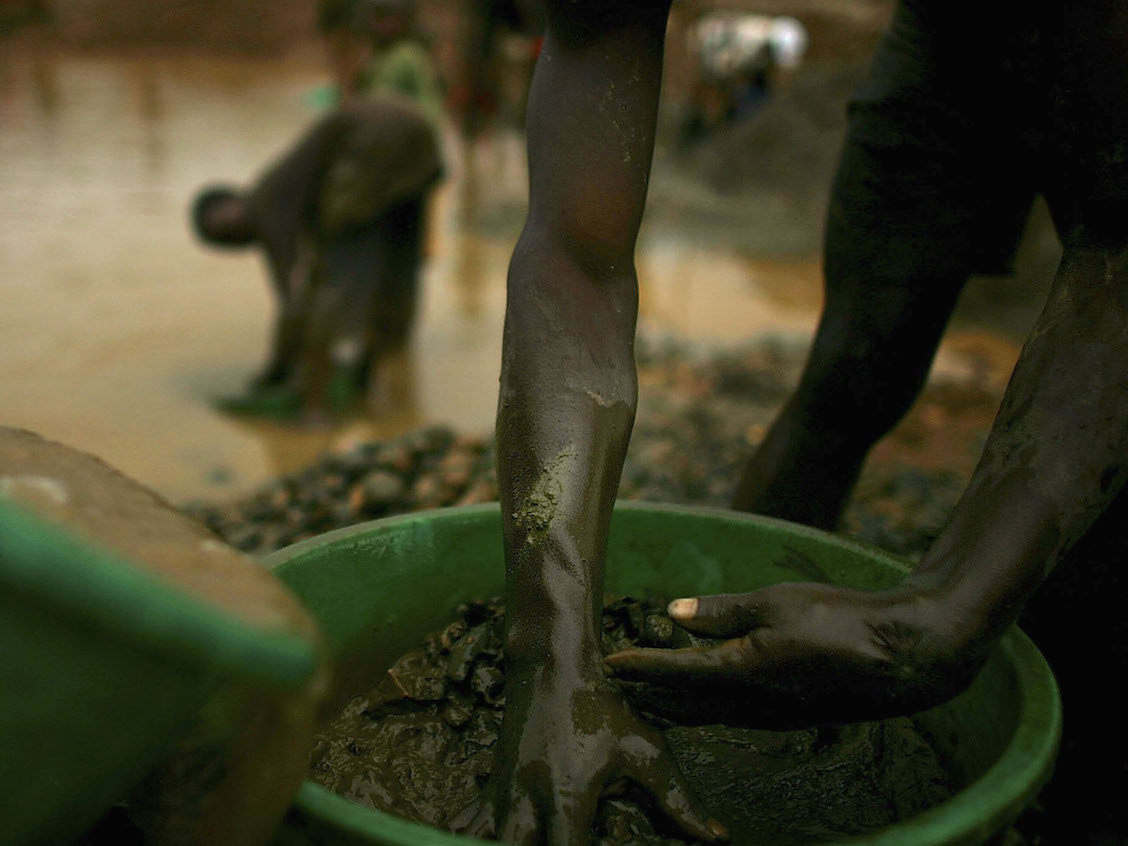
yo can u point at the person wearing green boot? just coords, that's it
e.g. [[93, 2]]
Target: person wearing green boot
[[340, 219]]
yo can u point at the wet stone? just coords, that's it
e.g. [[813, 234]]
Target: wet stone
[[456, 715], [474, 612], [483, 728], [382, 488], [465, 651], [488, 683], [479, 492], [625, 823], [657, 631], [427, 492], [396, 457], [417, 678], [452, 634]]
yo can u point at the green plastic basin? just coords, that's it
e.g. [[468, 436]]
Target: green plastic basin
[[103, 667], [377, 588]]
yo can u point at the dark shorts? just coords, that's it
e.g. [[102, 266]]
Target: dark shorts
[[366, 277], [960, 121]]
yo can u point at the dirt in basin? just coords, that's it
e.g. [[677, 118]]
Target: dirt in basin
[[421, 742]]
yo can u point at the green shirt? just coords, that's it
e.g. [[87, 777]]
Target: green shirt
[[405, 68]]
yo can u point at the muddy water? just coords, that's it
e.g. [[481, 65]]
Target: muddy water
[[117, 330]]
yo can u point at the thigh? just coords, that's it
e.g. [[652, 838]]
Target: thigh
[[935, 180], [348, 279]]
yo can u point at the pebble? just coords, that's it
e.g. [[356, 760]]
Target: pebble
[[381, 489]]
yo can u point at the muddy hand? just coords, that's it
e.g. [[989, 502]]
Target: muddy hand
[[799, 654], [563, 746]]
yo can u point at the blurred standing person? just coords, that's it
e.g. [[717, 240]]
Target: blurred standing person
[[341, 219], [737, 58], [486, 23], [398, 60]]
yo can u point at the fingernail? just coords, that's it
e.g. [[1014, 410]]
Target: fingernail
[[683, 609], [717, 829]]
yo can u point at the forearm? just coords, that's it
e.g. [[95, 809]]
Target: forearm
[[1057, 454], [568, 384], [565, 412]]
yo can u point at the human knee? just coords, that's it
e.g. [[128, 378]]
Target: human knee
[[841, 414], [859, 387]]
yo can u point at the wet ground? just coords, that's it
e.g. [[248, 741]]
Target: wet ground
[[117, 330]]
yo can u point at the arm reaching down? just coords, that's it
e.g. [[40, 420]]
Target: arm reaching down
[[565, 411], [799, 654]]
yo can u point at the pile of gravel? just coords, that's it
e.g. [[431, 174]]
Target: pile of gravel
[[428, 467], [701, 413]]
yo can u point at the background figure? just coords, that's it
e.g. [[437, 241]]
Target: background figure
[[399, 61], [486, 24], [736, 59], [346, 51], [375, 47], [340, 218]]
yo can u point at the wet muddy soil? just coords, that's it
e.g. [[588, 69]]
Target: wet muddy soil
[[421, 742]]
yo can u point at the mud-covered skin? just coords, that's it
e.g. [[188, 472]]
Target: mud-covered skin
[[1055, 458], [799, 654]]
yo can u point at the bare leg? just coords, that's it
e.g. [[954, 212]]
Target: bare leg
[[934, 183], [565, 410], [393, 308], [887, 302], [344, 284], [286, 341]]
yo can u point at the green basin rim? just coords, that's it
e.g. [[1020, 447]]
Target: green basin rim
[[981, 808], [44, 563]]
